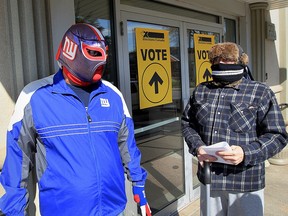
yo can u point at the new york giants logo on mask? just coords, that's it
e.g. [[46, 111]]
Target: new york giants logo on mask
[[82, 54], [69, 49]]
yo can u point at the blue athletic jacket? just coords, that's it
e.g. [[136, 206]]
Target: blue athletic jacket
[[80, 154]]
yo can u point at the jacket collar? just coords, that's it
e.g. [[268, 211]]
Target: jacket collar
[[60, 86]]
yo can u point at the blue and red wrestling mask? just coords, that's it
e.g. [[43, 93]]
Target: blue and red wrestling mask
[[82, 53]]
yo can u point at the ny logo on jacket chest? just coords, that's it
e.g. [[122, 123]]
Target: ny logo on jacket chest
[[104, 102]]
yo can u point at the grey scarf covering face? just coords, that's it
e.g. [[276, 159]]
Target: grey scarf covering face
[[227, 73]]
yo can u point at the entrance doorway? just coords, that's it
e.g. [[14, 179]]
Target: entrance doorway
[[171, 182]]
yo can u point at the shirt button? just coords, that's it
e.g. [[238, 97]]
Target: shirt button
[[216, 132], [218, 113]]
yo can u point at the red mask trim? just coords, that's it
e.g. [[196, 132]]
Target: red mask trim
[[75, 79], [58, 52], [98, 73]]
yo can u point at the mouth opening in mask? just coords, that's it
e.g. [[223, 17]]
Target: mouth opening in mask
[[98, 73], [77, 81]]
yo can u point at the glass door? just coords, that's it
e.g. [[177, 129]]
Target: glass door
[[157, 128], [190, 66]]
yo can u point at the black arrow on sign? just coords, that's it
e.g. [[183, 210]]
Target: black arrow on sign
[[207, 75], [156, 79]]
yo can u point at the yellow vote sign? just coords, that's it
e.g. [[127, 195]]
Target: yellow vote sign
[[154, 67], [202, 44]]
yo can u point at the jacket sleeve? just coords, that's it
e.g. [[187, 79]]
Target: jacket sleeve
[[271, 130], [189, 128], [130, 154], [17, 165]]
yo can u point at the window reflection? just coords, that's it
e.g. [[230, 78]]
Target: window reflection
[[98, 13], [230, 30], [191, 54]]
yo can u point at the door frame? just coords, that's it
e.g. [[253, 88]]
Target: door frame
[[193, 193], [128, 13]]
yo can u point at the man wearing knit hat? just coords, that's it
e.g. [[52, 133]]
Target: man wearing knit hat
[[244, 113]]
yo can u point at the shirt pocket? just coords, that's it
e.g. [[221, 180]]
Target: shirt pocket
[[242, 118], [202, 111]]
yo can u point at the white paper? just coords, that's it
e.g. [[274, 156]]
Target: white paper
[[221, 146]]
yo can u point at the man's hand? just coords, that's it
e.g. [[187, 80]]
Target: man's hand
[[203, 156], [140, 198], [236, 156]]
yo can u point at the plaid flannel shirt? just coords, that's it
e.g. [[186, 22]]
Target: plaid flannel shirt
[[246, 115]]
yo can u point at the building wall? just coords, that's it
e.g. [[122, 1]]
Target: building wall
[[235, 8], [272, 56], [7, 90], [280, 18], [62, 17]]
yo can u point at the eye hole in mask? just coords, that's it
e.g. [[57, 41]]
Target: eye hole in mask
[[93, 53]]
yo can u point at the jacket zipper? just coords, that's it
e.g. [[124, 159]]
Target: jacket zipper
[[88, 117], [99, 178]]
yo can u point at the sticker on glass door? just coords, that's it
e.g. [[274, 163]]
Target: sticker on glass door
[[154, 67]]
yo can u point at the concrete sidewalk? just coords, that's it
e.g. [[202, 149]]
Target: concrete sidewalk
[[276, 194]]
